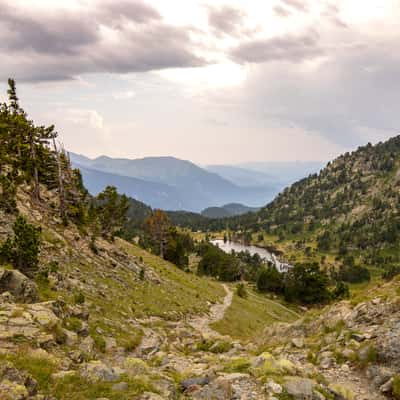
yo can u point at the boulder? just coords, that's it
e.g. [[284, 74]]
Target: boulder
[[388, 346], [379, 374], [18, 285], [199, 381], [219, 389], [87, 345], [299, 388], [96, 371]]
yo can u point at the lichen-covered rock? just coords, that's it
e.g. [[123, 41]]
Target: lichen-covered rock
[[266, 364], [96, 371], [13, 391], [299, 388], [21, 288], [341, 392], [15, 383], [135, 366], [219, 389], [388, 345]]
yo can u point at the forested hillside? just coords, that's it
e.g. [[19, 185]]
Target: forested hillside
[[351, 207]]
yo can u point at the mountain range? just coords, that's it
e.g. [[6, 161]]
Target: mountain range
[[170, 183], [227, 210]]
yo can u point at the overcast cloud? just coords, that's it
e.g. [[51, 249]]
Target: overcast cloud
[[215, 82]]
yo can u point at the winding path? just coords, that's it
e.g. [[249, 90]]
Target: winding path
[[216, 313]]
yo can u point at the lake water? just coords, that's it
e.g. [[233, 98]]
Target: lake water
[[227, 247]]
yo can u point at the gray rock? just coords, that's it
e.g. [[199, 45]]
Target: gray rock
[[87, 345], [388, 345], [120, 387], [200, 381], [298, 342], [358, 337], [219, 389], [379, 374], [22, 288], [299, 388], [387, 387], [96, 371]]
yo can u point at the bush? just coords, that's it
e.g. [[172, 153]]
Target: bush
[[73, 324], [307, 284], [341, 291], [391, 272], [353, 274], [215, 262], [270, 280], [79, 298], [241, 290], [396, 387], [22, 250]]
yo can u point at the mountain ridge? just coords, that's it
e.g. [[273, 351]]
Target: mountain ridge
[[189, 187]]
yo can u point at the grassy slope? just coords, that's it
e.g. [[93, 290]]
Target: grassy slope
[[246, 318]]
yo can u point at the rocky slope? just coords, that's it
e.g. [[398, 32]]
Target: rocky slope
[[121, 323]]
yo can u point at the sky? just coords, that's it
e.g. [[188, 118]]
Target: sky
[[215, 82]]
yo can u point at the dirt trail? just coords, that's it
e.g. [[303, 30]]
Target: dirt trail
[[216, 313]]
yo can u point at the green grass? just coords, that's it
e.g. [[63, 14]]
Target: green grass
[[247, 318], [237, 365], [39, 368], [174, 295], [73, 387], [77, 388], [178, 292]]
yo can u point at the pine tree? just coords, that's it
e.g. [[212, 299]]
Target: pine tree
[[22, 250], [157, 225]]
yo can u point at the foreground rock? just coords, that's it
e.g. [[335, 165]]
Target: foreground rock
[[18, 285]]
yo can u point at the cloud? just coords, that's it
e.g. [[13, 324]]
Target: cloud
[[281, 11], [81, 117], [298, 5], [348, 98], [124, 95], [332, 14], [290, 48], [226, 20], [118, 36]]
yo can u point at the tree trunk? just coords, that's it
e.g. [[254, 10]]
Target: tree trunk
[[162, 248], [61, 193], [36, 190]]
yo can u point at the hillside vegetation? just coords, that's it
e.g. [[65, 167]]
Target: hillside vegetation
[[349, 213]]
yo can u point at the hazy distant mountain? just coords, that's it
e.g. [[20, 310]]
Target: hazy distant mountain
[[155, 194], [228, 210], [245, 177], [167, 182], [284, 172]]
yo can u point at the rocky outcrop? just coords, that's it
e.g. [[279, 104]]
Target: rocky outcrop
[[14, 384], [18, 285]]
